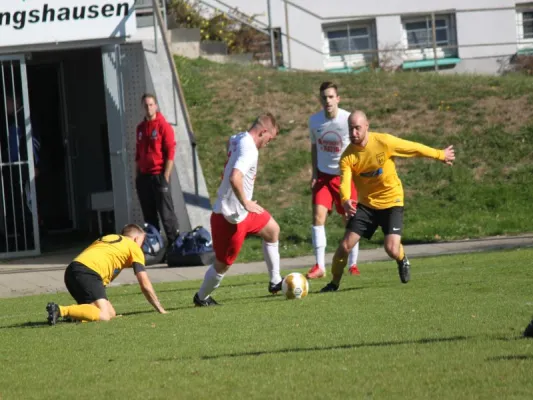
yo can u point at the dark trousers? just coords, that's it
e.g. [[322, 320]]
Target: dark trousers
[[155, 197]]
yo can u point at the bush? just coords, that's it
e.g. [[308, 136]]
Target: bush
[[218, 26], [517, 63], [523, 64]]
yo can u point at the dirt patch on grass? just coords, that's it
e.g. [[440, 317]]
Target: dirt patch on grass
[[291, 111], [389, 111], [509, 112], [422, 120], [480, 171]]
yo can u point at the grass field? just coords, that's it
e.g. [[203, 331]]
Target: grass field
[[453, 332], [489, 120]]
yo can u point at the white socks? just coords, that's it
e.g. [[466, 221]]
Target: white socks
[[211, 281], [271, 253], [352, 257], [319, 245]]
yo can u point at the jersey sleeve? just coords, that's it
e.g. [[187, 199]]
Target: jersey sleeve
[[345, 165], [137, 257], [404, 148], [246, 156], [169, 141], [137, 267]]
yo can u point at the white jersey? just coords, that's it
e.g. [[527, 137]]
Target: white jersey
[[242, 155], [331, 138]]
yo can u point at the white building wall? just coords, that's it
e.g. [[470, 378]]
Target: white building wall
[[486, 27], [307, 49], [307, 17]]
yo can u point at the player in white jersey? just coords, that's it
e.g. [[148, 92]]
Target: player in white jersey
[[236, 215], [328, 130]]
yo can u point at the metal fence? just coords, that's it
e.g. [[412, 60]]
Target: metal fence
[[434, 48], [18, 210]]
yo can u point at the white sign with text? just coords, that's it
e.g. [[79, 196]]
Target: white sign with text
[[24, 22]]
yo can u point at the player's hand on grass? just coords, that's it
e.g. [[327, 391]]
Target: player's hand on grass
[[350, 207], [163, 311], [449, 155], [253, 207]]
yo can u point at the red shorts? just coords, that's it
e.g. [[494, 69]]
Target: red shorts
[[228, 238], [326, 192]]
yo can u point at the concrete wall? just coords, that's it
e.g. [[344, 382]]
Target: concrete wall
[[482, 66], [189, 188], [185, 42], [305, 26]]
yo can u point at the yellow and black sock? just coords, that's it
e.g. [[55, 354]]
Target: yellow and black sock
[[337, 268], [81, 312], [401, 254]]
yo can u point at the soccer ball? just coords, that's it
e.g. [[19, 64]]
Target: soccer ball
[[295, 286]]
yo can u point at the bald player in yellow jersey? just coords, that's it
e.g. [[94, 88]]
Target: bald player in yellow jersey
[[368, 161], [93, 269]]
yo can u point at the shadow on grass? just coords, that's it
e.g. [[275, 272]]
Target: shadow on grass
[[510, 338], [189, 289], [29, 324], [329, 348], [169, 309], [511, 357], [350, 289], [246, 300], [278, 296], [39, 324]]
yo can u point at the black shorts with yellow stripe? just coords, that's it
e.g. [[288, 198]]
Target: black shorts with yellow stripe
[[84, 284], [366, 220]]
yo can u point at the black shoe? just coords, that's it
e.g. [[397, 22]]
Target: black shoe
[[330, 287], [404, 270], [529, 330], [53, 313], [204, 303], [275, 288]]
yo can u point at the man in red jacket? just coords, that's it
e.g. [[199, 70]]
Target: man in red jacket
[[156, 146]]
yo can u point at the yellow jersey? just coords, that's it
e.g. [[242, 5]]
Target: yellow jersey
[[374, 172], [109, 255]]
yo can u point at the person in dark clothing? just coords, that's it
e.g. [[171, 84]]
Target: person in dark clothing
[[154, 157]]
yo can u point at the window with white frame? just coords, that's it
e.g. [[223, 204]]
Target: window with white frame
[[418, 37], [527, 24], [524, 25], [349, 45]]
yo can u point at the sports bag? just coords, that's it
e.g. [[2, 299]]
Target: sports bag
[[153, 246], [192, 248]]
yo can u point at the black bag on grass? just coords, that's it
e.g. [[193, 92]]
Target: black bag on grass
[[153, 246], [190, 249]]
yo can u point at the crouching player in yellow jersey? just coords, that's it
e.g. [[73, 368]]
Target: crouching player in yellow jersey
[[368, 162], [93, 269]]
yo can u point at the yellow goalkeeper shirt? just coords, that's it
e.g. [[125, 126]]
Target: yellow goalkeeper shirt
[[109, 255], [374, 172]]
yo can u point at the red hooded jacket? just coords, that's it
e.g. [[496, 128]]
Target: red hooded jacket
[[155, 145]]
